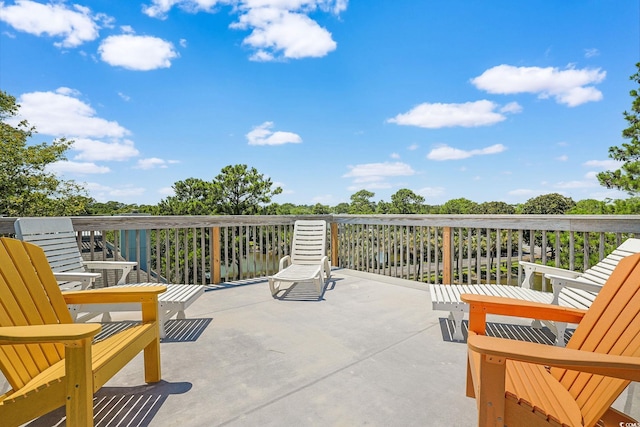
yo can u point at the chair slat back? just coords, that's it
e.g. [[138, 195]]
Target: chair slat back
[[29, 295], [309, 241], [600, 272], [612, 326], [56, 237]]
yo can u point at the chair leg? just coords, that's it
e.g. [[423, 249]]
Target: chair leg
[[79, 384], [457, 317], [274, 288]]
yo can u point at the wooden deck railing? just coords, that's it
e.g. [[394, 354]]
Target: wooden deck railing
[[425, 248]]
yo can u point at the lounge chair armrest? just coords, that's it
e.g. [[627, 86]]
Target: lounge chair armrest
[[58, 333], [561, 282], [87, 278], [481, 305], [285, 261], [624, 367], [114, 295], [530, 268], [124, 266], [121, 265]]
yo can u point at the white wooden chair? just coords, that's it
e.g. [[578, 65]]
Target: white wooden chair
[[57, 238], [308, 261], [570, 289]]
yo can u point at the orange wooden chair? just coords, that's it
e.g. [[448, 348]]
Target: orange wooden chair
[[518, 383], [48, 360]]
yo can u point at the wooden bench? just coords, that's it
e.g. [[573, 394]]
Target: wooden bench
[[57, 238], [570, 289], [171, 303], [48, 360]]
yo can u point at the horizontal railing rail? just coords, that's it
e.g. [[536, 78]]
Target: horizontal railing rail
[[425, 248]]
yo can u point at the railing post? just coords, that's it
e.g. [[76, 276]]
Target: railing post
[[215, 256], [446, 255], [334, 244]]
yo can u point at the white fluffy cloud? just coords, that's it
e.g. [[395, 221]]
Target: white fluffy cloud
[[79, 168], [444, 152], [103, 193], [75, 25], [277, 32], [263, 135], [140, 53], [94, 150], [608, 164], [278, 28], [375, 175], [153, 163], [63, 114], [569, 86], [468, 114]]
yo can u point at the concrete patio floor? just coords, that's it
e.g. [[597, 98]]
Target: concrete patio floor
[[371, 352]]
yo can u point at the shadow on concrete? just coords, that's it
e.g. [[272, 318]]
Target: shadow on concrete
[[121, 406], [306, 291], [503, 330], [185, 330]]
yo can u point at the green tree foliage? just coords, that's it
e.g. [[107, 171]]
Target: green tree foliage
[[193, 196], [458, 206], [627, 178], [630, 206], [117, 208], [237, 190], [320, 209], [494, 208], [240, 190], [361, 203], [591, 207], [405, 201], [548, 204], [341, 208], [27, 188]]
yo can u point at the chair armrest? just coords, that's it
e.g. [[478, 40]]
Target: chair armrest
[[481, 305], [124, 266], [559, 283], [285, 262], [87, 278], [114, 295], [624, 367], [530, 268], [58, 333]]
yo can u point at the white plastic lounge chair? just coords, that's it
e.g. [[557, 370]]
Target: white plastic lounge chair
[[57, 238], [307, 262], [570, 289]]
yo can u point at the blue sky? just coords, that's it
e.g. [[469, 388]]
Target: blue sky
[[495, 100]]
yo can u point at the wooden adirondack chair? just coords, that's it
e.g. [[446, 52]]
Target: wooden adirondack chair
[[57, 238], [520, 383], [308, 261], [48, 360]]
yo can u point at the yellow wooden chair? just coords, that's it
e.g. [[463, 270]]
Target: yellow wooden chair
[[48, 360], [518, 383]]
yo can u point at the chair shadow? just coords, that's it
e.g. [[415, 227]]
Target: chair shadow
[[121, 406], [185, 330], [306, 291], [176, 330], [503, 330]]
